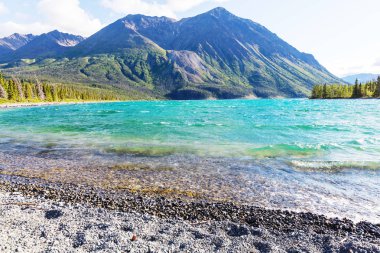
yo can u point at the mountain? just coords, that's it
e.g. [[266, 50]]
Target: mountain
[[215, 54], [52, 44], [14, 42], [362, 78]]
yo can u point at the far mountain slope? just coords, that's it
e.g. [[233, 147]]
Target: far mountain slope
[[52, 44], [14, 42], [363, 78]]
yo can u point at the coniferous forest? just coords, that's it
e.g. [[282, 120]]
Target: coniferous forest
[[14, 89], [334, 91]]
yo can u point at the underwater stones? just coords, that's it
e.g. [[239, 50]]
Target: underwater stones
[[79, 240], [366, 227], [53, 214], [235, 230]]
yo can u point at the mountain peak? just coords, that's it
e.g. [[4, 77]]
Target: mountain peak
[[146, 21], [63, 39], [219, 12], [16, 35], [54, 32], [15, 41]]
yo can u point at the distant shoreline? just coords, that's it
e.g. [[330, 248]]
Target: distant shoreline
[[19, 105]]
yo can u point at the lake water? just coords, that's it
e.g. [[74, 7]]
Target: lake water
[[304, 155]]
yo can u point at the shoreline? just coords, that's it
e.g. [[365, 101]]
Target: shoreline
[[280, 225], [20, 105]]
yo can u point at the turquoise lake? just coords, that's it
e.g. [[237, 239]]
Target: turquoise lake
[[307, 155]]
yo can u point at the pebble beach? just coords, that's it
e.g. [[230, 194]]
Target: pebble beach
[[50, 219]]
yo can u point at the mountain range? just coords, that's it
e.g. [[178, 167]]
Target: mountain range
[[362, 78], [212, 55]]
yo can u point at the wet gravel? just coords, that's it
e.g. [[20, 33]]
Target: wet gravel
[[73, 218]]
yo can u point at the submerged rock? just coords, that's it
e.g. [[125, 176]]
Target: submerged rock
[[53, 214]]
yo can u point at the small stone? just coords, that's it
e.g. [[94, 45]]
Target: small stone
[[134, 238], [79, 240], [53, 214]]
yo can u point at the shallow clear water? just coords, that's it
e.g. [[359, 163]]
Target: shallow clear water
[[311, 155]]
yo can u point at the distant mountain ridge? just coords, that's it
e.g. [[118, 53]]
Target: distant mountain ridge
[[14, 42], [363, 78], [215, 54], [50, 44]]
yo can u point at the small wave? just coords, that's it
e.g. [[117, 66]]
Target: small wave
[[285, 150], [148, 150], [335, 165], [358, 141]]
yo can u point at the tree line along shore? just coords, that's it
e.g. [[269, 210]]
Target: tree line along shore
[[358, 90], [15, 90]]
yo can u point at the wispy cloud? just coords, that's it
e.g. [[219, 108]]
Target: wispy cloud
[[3, 8], [11, 27], [351, 65], [377, 63], [69, 16], [168, 8], [66, 16]]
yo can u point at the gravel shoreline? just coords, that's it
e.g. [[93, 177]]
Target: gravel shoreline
[[19, 105], [162, 224]]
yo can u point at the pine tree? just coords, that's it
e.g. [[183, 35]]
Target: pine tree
[[360, 91], [40, 91], [324, 94], [355, 93], [55, 93], [377, 89], [3, 93], [29, 91], [20, 92], [12, 91], [314, 93]]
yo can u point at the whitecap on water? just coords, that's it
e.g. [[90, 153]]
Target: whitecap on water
[[334, 165]]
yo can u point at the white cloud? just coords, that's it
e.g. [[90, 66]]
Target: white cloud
[[137, 7], [181, 5], [68, 16], [65, 16], [10, 27], [353, 64], [168, 8]]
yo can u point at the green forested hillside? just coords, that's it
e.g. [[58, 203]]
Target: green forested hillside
[[15, 90]]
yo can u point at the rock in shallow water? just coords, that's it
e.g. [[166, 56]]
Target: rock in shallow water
[[53, 214], [79, 240]]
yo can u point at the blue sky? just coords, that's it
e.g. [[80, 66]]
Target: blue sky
[[342, 34]]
